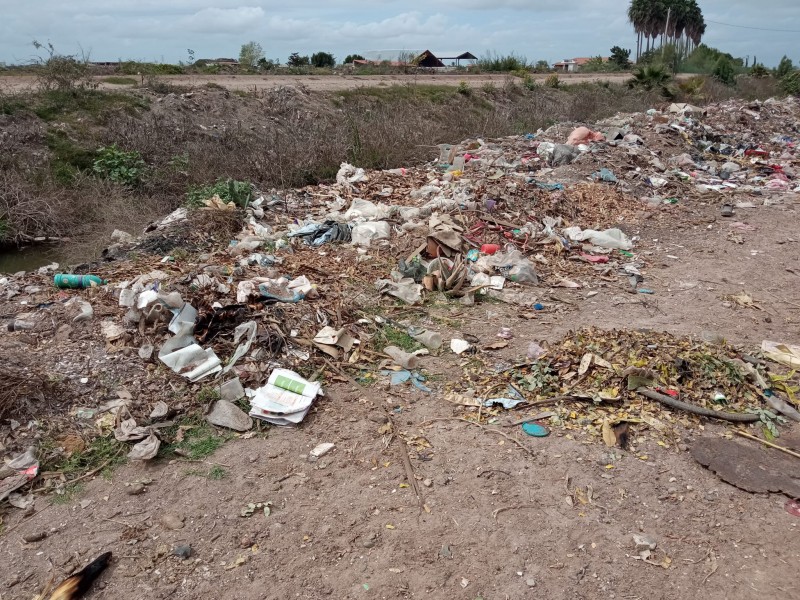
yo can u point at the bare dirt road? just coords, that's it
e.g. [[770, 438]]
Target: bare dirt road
[[329, 83]]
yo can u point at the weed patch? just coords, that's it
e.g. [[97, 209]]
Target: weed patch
[[104, 453], [68, 493], [120, 80], [199, 441], [54, 104], [215, 473], [389, 335]]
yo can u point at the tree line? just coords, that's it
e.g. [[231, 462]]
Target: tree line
[[676, 22]]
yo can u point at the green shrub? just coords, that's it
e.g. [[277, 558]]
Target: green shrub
[[785, 67], [126, 168], [552, 81], [503, 64], [724, 71], [120, 80], [528, 82], [464, 89], [650, 77], [229, 190], [791, 83]]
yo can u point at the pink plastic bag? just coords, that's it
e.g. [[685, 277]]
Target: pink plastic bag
[[584, 135]]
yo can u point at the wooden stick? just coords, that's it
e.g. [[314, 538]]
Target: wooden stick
[[409, 468], [766, 443]]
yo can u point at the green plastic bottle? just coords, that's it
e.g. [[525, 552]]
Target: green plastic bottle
[[65, 280]]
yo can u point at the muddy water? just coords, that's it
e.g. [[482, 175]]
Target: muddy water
[[28, 258]]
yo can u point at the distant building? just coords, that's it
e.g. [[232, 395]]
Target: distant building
[[573, 65], [222, 62], [425, 59], [457, 59]]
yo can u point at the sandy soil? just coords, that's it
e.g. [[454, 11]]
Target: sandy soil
[[326, 83], [494, 521], [348, 527]]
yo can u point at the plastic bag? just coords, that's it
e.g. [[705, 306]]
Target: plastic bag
[[514, 266], [610, 238], [363, 233]]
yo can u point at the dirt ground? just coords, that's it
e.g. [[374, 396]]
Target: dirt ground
[[501, 515], [348, 526], [330, 83]]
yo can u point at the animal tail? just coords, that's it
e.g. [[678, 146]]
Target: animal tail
[[75, 586]]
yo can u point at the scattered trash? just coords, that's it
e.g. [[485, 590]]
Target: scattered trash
[[285, 399], [430, 339], [459, 346], [64, 280], [584, 135], [535, 430], [785, 354], [250, 509], [22, 469], [226, 414], [320, 450]]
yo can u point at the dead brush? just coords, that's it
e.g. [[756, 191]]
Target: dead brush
[[219, 225], [24, 391]]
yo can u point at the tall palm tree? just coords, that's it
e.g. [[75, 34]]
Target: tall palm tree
[[679, 22], [637, 15]]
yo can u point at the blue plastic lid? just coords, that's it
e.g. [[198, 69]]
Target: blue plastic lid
[[535, 429]]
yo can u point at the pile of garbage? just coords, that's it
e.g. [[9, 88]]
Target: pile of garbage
[[594, 378], [508, 218]]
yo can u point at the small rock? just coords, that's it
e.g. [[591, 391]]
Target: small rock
[[182, 552], [445, 552], [644, 541], [34, 537], [246, 542], [136, 488], [146, 351], [427, 482], [530, 582], [368, 543], [172, 521]]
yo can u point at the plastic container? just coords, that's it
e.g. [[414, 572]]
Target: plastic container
[[18, 325], [490, 248], [67, 281], [429, 339]]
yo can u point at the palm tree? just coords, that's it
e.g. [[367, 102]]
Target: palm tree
[[679, 22], [637, 15]]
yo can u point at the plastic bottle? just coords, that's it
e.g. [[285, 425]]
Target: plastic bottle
[[64, 280], [18, 325]]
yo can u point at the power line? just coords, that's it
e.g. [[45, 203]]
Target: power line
[[757, 28]]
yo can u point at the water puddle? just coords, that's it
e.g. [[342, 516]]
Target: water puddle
[[28, 258]]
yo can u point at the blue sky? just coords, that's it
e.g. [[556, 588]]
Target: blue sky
[[162, 30]]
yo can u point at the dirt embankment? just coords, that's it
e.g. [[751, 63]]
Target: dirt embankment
[[331, 83], [280, 137]]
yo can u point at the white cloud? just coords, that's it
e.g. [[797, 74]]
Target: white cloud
[[225, 20], [537, 29]]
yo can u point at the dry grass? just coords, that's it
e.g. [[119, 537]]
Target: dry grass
[[23, 389], [280, 138]]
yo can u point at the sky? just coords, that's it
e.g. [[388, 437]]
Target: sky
[[163, 30]]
